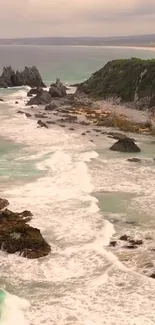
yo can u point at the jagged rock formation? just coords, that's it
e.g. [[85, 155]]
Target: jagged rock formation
[[57, 90], [130, 80], [17, 236], [30, 76], [125, 145]]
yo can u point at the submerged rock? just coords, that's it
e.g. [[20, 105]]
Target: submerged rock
[[125, 145], [134, 160], [30, 76], [17, 236]]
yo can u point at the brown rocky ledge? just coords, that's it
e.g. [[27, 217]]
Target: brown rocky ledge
[[16, 236]]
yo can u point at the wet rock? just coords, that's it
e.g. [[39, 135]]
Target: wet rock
[[124, 238], [40, 115], [57, 89], [62, 125], [152, 275], [117, 135], [43, 97], [84, 123], [3, 203], [113, 243], [130, 246], [51, 107], [42, 124], [30, 76], [134, 160], [17, 236], [50, 122], [27, 114], [136, 242], [125, 145], [34, 91]]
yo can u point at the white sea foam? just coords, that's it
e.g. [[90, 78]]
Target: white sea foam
[[12, 309]]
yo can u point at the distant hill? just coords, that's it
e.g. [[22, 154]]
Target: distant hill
[[136, 40]]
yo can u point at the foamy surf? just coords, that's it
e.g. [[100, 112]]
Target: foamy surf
[[12, 309]]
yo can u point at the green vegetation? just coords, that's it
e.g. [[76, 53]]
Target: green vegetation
[[131, 80]]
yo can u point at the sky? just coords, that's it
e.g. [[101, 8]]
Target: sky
[[33, 18]]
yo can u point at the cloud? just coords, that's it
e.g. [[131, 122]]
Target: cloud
[[76, 17]]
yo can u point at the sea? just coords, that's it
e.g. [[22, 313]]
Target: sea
[[82, 196]]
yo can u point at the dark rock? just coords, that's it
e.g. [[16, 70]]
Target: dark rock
[[113, 243], [130, 246], [43, 97], [34, 91], [152, 275], [50, 122], [17, 236], [84, 123], [16, 102], [57, 89], [1, 100], [83, 133], [27, 114], [124, 238], [40, 116], [28, 77], [91, 140], [62, 125], [42, 124], [71, 129], [97, 130], [51, 107], [125, 145], [134, 160], [3, 203], [88, 131], [136, 242]]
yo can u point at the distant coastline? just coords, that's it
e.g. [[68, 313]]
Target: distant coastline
[[127, 41]]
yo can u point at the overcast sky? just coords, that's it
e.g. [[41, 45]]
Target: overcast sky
[[30, 18]]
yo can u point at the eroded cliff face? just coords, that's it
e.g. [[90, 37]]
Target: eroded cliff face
[[130, 80]]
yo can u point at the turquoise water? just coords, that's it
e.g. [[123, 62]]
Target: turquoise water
[[71, 64]]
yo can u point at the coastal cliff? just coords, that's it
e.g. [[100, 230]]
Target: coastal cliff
[[129, 80]]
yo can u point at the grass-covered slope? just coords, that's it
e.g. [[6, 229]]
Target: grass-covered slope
[[131, 80]]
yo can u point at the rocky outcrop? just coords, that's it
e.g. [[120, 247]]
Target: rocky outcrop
[[42, 98], [125, 145], [57, 89], [30, 76], [34, 91], [3, 203], [17, 236], [130, 80]]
